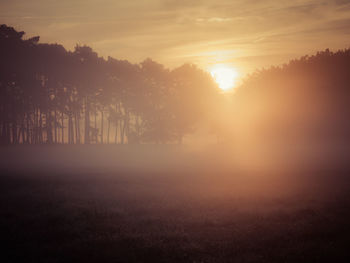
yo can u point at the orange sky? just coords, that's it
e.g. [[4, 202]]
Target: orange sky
[[247, 34]]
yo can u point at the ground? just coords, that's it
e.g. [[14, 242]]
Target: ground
[[194, 209]]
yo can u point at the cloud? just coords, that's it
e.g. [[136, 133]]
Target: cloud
[[176, 31]]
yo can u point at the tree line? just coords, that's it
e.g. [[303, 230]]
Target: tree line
[[51, 95], [307, 99]]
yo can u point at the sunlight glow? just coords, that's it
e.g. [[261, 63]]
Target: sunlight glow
[[224, 76]]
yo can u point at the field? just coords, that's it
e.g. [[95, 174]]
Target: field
[[115, 204]]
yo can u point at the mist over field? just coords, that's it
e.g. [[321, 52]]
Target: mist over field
[[159, 159]]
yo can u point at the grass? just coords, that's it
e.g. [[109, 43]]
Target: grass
[[191, 214]]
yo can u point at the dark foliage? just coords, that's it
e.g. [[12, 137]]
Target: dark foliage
[[307, 98], [50, 95]]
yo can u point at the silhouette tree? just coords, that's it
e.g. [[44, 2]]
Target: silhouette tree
[[46, 89], [306, 99]]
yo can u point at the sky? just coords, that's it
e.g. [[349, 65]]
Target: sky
[[245, 34]]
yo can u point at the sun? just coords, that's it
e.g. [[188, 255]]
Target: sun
[[224, 76]]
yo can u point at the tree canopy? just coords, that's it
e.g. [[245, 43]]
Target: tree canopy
[[51, 95], [308, 97]]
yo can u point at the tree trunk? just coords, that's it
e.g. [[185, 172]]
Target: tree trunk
[[102, 126], [62, 128], [95, 125], [70, 129], [87, 121], [49, 127], [36, 126], [122, 131], [116, 132], [108, 127], [78, 127], [127, 126], [77, 139], [21, 131], [55, 125], [41, 139], [28, 128], [14, 131]]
